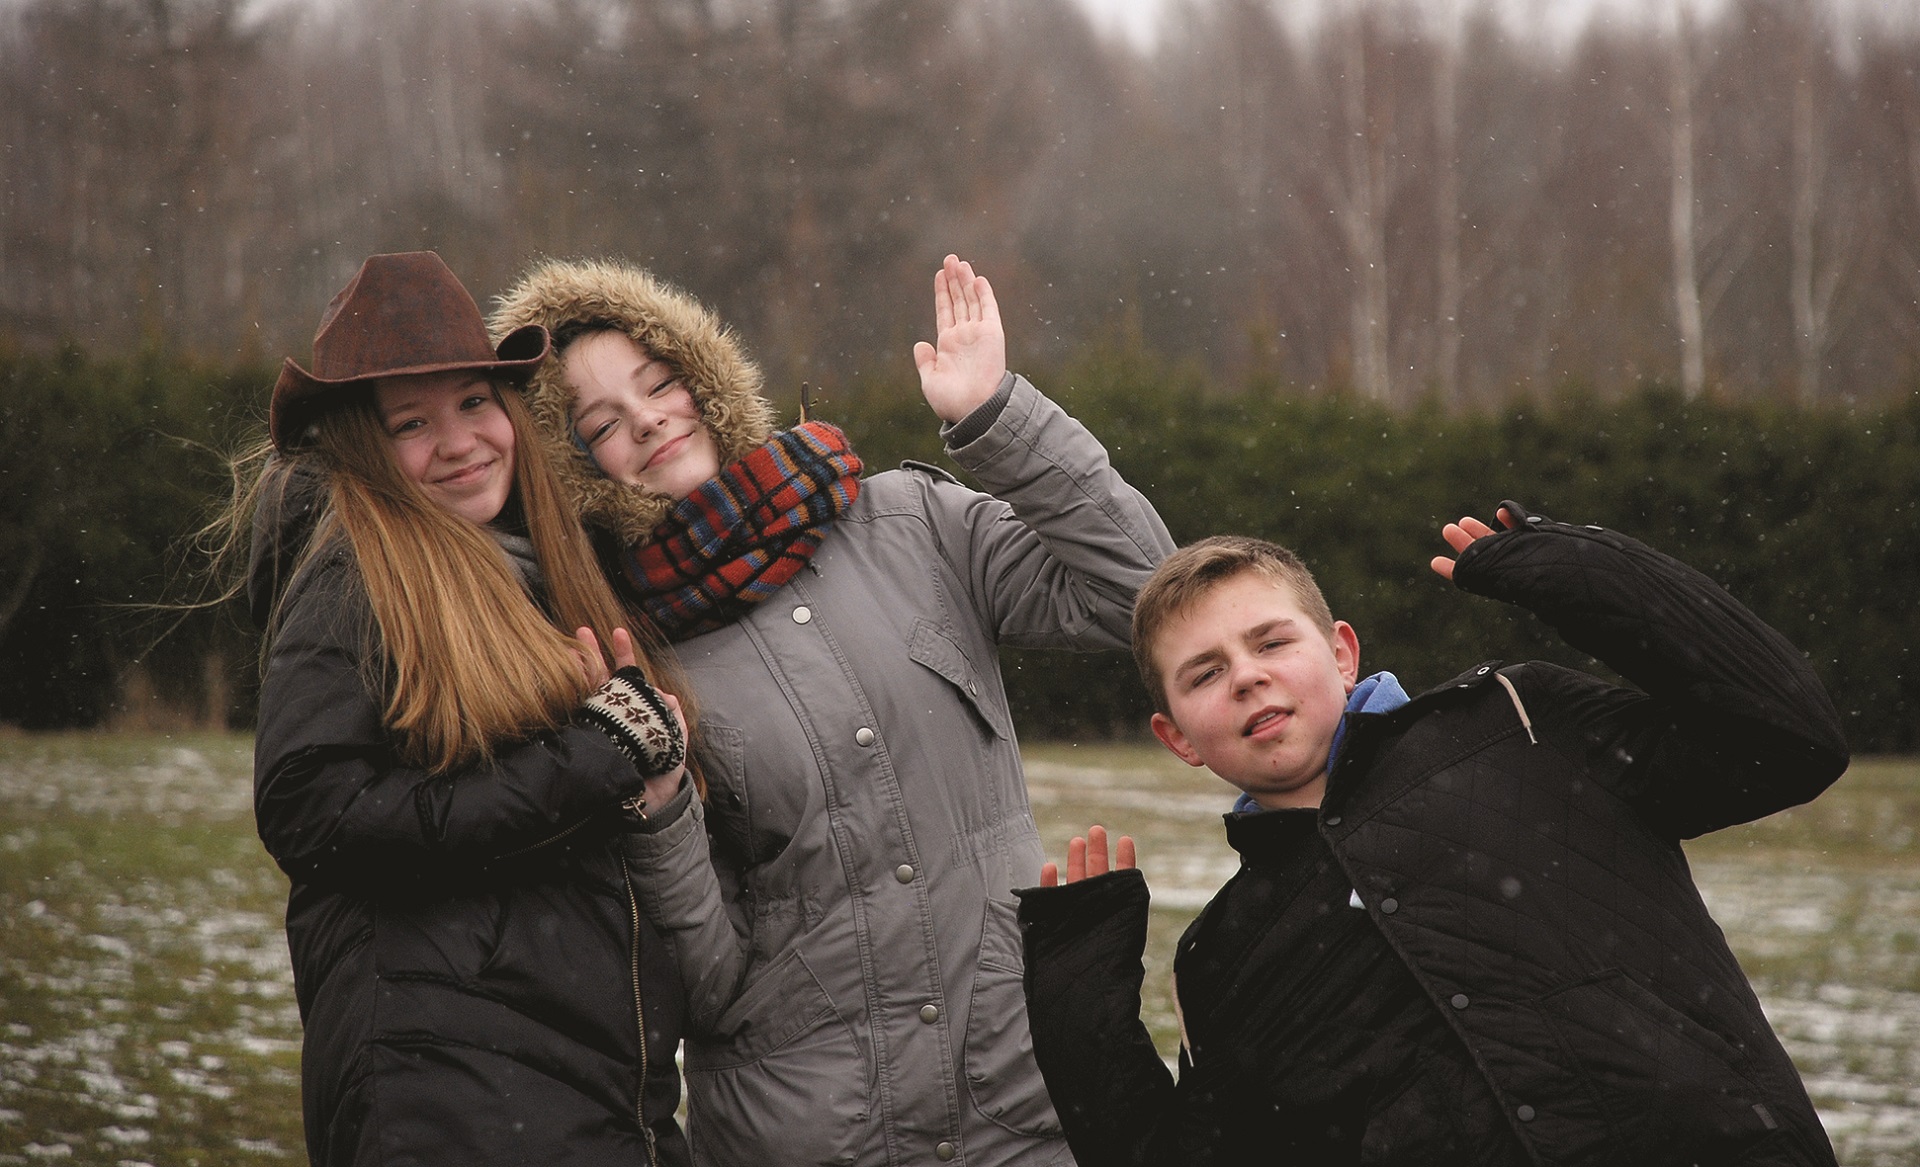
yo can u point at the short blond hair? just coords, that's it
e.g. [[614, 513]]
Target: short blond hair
[[1193, 572]]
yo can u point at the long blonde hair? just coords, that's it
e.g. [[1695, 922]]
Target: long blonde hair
[[464, 658]]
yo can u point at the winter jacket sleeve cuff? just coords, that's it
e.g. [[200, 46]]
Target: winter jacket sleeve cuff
[[1052, 916], [970, 427], [659, 818]]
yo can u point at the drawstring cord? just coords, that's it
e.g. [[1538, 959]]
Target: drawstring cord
[[1526, 722]]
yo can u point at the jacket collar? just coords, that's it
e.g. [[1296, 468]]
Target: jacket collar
[[1367, 732]]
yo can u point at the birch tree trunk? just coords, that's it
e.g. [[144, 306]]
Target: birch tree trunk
[[1681, 209], [1809, 315], [1446, 207], [1363, 221]]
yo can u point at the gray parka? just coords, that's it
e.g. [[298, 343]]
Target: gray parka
[[841, 905]]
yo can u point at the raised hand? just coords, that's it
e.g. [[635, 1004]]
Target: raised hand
[[1087, 857], [593, 664], [1459, 535], [960, 371]]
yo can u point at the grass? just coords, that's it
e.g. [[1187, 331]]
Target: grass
[[147, 1015], [148, 1009]]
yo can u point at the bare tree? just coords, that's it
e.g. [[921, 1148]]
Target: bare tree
[[1448, 281], [1359, 190], [1682, 210], [1811, 290]]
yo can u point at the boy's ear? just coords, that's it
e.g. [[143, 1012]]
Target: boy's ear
[[1346, 652], [1175, 741]]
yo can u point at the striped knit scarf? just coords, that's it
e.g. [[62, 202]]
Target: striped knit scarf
[[745, 532]]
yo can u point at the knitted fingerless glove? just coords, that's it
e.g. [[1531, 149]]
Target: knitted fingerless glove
[[630, 712]]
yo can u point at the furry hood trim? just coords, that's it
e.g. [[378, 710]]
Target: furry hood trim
[[669, 324]]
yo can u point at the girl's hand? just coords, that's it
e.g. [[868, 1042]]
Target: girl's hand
[[964, 366], [593, 664], [623, 652], [586, 650], [662, 787]]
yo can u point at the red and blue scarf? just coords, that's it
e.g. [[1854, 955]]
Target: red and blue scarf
[[742, 534]]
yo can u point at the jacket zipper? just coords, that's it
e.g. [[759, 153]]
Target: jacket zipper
[[639, 1017]]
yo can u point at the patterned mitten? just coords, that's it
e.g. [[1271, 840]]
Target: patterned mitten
[[629, 710]]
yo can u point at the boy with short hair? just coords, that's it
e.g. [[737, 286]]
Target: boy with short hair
[[1463, 930]]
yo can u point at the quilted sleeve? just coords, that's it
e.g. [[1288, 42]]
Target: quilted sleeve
[[1084, 943], [1735, 724]]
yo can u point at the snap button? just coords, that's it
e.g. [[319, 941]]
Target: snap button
[[863, 736], [904, 873], [929, 1013], [1481, 671], [802, 614], [1389, 906], [1524, 1113], [1333, 820], [945, 1151], [1459, 1001]]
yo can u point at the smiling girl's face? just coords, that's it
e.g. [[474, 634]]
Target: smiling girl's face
[[636, 417], [451, 435]]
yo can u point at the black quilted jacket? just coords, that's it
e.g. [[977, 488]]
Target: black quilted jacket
[[471, 967], [1515, 837]]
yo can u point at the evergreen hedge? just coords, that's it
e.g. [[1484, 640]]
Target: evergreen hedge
[[1812, 518]]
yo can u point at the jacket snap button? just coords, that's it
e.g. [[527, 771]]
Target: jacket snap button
[[945, 1151], [904, 873], [1481, 671], [1524, 1114], [1459, 1001], [863, 736], [1333, 820], [929, 1013], [1389, 906], [802, 614]]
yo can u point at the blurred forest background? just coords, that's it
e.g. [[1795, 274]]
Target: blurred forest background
[[1332, 273]]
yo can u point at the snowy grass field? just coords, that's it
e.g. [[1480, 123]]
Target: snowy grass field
[[147, 1014]]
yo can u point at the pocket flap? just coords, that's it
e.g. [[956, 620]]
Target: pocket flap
[[937, 651]]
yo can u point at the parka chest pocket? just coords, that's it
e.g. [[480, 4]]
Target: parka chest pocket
[[753, 822], [934, 649]]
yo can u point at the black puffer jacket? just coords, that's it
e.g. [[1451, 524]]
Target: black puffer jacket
[[469, 962], [1514, 837]]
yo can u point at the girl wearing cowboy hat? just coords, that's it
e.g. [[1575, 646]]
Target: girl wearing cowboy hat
[[840, 902], [445, 775]]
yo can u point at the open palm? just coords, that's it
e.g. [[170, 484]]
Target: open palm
[[964, 366]]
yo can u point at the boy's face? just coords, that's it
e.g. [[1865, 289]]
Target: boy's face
[[1255, 689]]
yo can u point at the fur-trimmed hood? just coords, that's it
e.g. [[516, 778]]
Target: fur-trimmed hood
[[669, 324]]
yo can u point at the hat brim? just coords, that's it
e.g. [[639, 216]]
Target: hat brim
[[297, 394]]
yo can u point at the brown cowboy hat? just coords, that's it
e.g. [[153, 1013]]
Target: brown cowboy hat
[[400, 315]]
